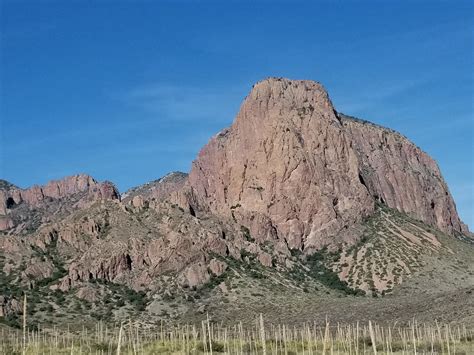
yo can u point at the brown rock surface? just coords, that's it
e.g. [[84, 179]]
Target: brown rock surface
[[38, 270], [290, 173], [59, 189], [9, 306], [401, 175], [158, 190], [289, 168], [217, 267], [136, 246], [88, 293], [6, 223], [78, 191], [195, 275]]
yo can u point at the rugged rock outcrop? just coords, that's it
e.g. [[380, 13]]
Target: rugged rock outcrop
[[134, 246], [57, 189], [6, 223], [158, 190], [399, 174], [9, 306], [289, 174], [80, 189], [290, 168]]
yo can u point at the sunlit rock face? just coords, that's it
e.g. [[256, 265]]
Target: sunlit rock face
[[77, 191], [291, 168]]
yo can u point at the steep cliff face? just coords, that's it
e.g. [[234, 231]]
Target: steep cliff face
[[291, 174], [291, 168], [402, 176], [285, 168]]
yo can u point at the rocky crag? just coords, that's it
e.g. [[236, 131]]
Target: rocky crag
[[293, 192], [28, 208], [291, 168]]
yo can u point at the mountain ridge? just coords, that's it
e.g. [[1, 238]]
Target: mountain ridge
[[293, 192], [297, 117]]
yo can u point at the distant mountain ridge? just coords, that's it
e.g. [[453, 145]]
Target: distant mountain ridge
[[158, 189]]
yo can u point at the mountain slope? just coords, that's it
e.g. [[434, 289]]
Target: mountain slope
[[400, 175], [292, 169], [293, 202], [285, 168], [127, 269]]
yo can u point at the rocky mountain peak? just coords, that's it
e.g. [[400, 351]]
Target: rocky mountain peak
[[277, 97], [288, 91], [263, 200], [290, 169], [285, 168]]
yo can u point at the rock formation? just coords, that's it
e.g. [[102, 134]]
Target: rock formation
[[80, 189], [291, 168], [399, 174], [158, 190], [288, 178]]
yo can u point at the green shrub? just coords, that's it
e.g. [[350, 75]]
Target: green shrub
[[216, 347], [326, 276], [246, 233]]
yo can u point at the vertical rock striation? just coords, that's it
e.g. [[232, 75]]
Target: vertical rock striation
[[401, 175], [286, 168], [291, 168]]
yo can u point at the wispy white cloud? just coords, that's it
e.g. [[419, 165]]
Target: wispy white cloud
[[184, 103]]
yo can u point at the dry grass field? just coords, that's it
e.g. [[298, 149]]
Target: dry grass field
[[260, 338]]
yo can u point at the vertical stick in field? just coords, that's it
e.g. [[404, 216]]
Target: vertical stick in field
[[24, 323], [262, 335]]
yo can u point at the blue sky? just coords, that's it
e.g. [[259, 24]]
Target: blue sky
[[128, 91]]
